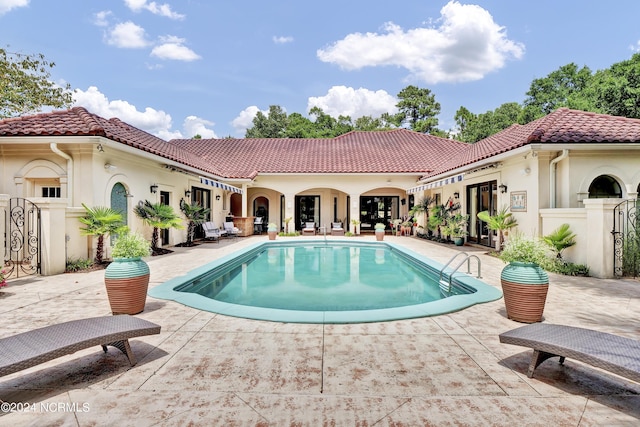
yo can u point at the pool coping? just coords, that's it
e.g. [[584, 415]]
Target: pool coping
[[484, 293]]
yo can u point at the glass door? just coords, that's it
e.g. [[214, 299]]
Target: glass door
[[376, 209], [307, 210], [481, 197]]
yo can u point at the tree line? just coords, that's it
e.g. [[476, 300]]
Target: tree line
[[25, 88], [614, 91]]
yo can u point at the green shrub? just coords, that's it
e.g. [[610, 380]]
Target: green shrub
[[79, 264], [567, 268], [131, 245], [524, 249]]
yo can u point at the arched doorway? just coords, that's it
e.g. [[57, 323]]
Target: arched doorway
[[261, 207]]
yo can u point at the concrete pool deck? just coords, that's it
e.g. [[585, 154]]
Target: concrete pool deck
[[210, 369]]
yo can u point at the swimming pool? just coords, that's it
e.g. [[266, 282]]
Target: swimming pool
[[323, 282]]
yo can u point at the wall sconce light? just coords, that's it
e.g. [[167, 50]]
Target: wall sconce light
[[187, 193], [217, 197], [153, 188], [403, 202], [99, 148], [109, 167], [525, 171], [503, 188], [456, 195]]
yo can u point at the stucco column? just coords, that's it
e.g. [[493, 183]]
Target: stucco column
[[289, 207], [244, 200], [52, 235], [354, 211], [599, 237]]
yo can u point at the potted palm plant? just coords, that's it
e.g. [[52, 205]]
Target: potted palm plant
[[127, 277], [356, 225], [456, 228], [272, 231]]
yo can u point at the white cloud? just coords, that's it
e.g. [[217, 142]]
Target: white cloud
[[7, 5], [153, 7], [282, 39], [172, 47], [347, 101], [636, 47], [196, 126], [466, 46], [101, 18], [245, 119], [156, 122], [127, 35]]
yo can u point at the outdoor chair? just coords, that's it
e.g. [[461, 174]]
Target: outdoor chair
[[258, 225], [309, 229], [613, 353], [27, 349], [336, 229], [212, 232], [231, 230]]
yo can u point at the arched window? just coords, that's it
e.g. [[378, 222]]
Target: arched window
[[119, 200], [604, 186]]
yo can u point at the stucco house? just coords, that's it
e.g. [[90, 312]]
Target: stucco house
[[569, 166]]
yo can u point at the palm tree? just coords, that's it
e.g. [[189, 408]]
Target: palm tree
[[560, 239], [158, 216], [196, 215], [503, 220], [100, 221]]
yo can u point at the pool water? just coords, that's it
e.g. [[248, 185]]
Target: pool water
[[324, 282], [321, 277]]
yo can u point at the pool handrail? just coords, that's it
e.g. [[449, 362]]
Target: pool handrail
[[467, 259]]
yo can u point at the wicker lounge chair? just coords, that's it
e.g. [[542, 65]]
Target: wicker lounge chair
[[309, 229], [336, 229], [613, 353], [31, 348]]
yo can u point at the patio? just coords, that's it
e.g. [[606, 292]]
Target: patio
[[209, 369]]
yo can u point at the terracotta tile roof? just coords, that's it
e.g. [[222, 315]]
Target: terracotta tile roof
[[563, 126], [79, 122], [393, 151]]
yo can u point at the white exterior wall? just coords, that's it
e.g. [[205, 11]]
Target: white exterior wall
[[25, 166]]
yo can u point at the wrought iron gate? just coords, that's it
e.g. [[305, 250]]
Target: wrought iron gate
[[22, 238], [626, 239]]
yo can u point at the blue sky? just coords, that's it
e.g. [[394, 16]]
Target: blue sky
[[180, 68]]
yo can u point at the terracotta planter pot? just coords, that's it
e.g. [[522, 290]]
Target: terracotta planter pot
[[272, 235], [127, 281], [525, 287], [379, 235]]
